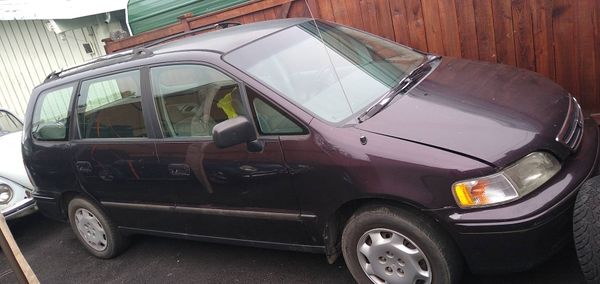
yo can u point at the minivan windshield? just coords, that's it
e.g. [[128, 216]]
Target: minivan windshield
[[9, 123], [332, 72]]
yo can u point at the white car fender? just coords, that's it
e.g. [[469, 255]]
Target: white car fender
[[11, 160]]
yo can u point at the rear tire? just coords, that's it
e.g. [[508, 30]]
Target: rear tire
[[95, 230], [425, 253], [586, 229]]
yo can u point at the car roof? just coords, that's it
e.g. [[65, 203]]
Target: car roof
[[219, 41]]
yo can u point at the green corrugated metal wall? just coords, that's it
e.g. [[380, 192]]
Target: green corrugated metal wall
[[145, 15]]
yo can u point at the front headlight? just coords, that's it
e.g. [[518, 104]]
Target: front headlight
[[6, 193], [515, 181]]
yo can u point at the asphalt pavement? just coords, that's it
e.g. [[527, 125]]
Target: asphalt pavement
[[56, 256]]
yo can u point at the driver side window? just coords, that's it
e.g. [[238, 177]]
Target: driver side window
[[192, 99]]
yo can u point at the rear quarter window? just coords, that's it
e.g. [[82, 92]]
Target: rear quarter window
[[51, 114]]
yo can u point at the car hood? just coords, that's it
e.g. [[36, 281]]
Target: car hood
[[491, 112], [11, 161]]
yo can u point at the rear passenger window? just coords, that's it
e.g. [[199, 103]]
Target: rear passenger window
[[111, 107], [192, 99], [51, 114]]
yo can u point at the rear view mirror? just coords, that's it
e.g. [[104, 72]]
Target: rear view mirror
[[233, 131]]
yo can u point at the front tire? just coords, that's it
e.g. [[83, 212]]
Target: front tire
[[392, 245], [94, 229], [586, 229]]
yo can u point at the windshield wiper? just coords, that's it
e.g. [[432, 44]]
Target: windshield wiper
[[400, 88]]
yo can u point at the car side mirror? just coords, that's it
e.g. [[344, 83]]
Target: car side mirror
[[53, 131], [233, 131]]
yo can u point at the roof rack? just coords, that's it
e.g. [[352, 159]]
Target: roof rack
[[217, 26], [135, 53]]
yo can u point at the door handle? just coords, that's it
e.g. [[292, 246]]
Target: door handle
[[84, 167], [179, 170], [248, 168]]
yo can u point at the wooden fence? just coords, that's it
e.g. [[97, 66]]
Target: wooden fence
[[557, 38]]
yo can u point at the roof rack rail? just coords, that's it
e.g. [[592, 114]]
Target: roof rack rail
[[142, 51], [135, 53], [217, 26]]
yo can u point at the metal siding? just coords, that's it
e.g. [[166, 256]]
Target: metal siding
[[145, 15], [28, 52]]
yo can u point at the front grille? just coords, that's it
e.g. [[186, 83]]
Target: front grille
[[572, 130]]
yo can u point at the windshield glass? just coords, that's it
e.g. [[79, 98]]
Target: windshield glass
[[9, 123], [333, 80]]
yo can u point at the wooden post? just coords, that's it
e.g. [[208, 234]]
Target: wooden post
[[11, 250]]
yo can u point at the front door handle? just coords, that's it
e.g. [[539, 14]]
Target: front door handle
[[248, 168], [84, 167], [179, 170]]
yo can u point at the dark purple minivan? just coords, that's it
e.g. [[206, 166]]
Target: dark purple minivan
[[312, 136]]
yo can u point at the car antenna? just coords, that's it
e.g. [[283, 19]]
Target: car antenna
[[337, 76]]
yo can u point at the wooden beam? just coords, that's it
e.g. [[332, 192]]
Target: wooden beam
[[17, 261]]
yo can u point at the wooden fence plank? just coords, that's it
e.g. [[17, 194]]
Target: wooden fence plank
[[503, 28], [522, 22], [400, 22], [355, 13], [467, 29], [595, 107], [258, 16], [313, 8], [299, 10], [543, 37], [433, 28], [563, 17], [340, 12], [585, 42], [449, 23], [369, 16], [416, 25], [485, 30], [270, 14], [325, 10], [384, 19]]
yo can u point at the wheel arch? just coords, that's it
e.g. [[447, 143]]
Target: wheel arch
[[336, 222], [67, 196]]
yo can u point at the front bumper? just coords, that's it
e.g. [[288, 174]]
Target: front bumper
[[522, 234], [20, 209]]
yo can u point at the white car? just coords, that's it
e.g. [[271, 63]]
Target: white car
[[15, 186]]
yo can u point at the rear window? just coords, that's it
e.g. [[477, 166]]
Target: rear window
[[111, 107], [51, 114]]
